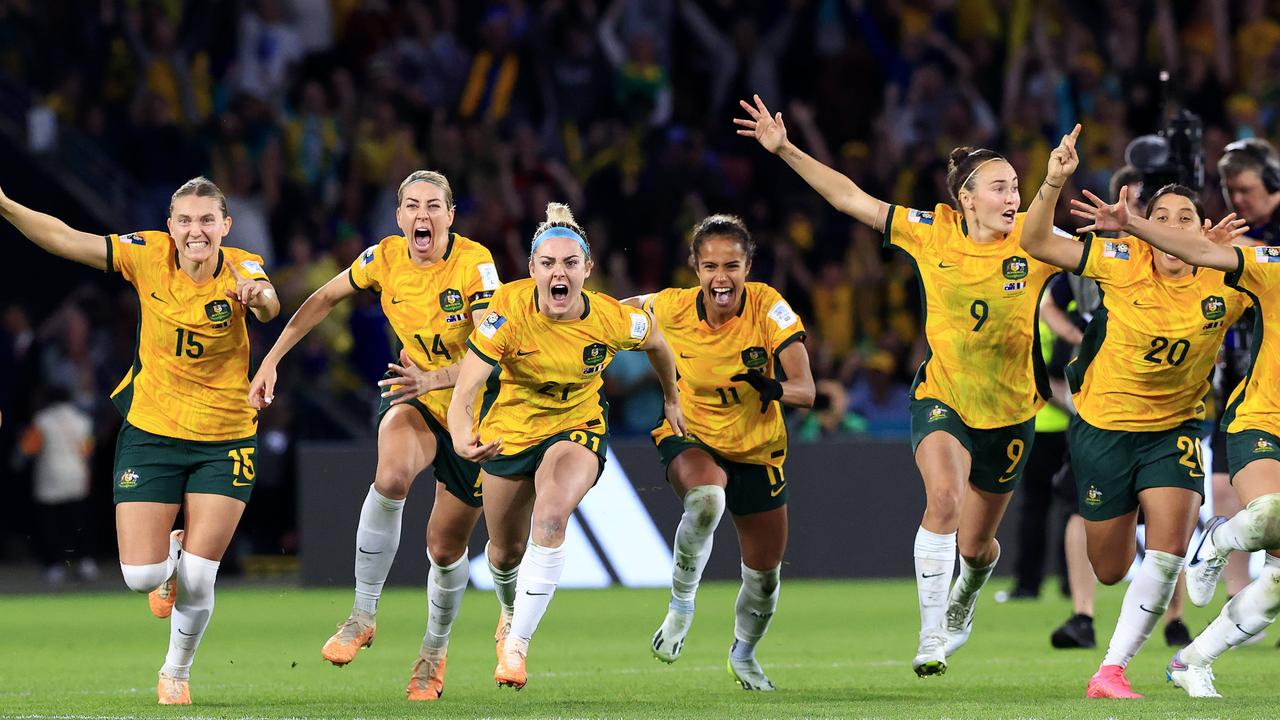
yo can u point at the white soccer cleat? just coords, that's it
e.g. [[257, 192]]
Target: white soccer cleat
[[1197, 680], [959, 624], [931, 656], [668, 641], [1203, 572], [748, 673]]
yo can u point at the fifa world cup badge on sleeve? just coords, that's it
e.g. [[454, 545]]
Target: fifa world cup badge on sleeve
[[1267, 254], [1116, 250], [491, 324]]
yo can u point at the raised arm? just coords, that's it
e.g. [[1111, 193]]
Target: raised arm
[[262, 389], [1038, 237], [664, 363], [472, 373], [55, 236], [843, 193], [1210, 247]]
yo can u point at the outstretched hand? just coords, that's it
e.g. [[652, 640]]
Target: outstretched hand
[[1064, 159], [406, 382], [1226, 231], [1103, 217], [768, 130], [248, 292]]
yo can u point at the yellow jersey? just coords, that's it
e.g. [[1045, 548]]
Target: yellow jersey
[[549, 371], [1148, 354], [981, 317], [190, 374], [724, 414], [1255, 403], [429, 308]]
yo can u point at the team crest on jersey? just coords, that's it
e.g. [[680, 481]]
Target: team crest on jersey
[[1267, 254], [937, 413], [1117, 250], [218, 311], [1093, 496], [133, 239], [923, 217], [755, 357], [1263, 446], [1015, 268], [128, 479], [594, 354], [451, 300], [1213, 307]]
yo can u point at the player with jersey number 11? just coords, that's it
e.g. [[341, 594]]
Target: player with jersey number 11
[[541, 431], [975, 397], [189, 436]]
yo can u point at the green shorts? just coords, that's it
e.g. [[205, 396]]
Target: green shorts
[[525, 463], [998, 455], [1112, 466], [460, 477], [155, 468], [1245, 446], [752, 488]]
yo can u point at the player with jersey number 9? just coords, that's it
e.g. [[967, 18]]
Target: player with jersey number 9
[[541, 430], [189, 436]]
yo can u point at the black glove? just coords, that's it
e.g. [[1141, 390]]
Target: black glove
[[768, 388]]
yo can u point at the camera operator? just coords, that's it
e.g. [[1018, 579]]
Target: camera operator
[[1250, 172]]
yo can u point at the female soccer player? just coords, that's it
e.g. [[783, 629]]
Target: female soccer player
[[189, 437], [1252, 424], [738, 350], [1139, 382], [433, 284], [975, 397], [542, 429]]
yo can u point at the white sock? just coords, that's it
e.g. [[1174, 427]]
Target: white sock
[[377, 539], [703, 507], [145, 578], [935, 561], [1256, 527], [757, 601], [191, 613], [445, 587], [504, 583], [972, 579], [1144, 604], [1245, 615], [536, 584]]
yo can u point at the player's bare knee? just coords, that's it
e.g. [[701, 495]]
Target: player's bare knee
[[505, 556], [704, 505], [445, 552], [1110, 575], [548, 528], [393, 481]]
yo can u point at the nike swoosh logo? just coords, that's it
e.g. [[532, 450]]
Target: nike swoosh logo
[[154, 295], [1004, 479], [945, 266], [184, 632], [368, 552], [534, 594], [1138, 303], [436, 604], [396, 301], [687, 356], [237, 483], [522, 353], [1144, 608], [926, 576], [780, 488], [1246, 632]]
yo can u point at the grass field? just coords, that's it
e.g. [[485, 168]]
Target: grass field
[[836, 649]]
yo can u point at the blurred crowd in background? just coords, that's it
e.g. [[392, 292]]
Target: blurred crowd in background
[[308, 114]]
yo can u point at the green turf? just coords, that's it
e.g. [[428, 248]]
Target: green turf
[[836, 649]]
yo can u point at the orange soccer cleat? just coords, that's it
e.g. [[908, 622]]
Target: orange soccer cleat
[[1110, 682], [355, 632], [427, 681], [511, 666], [500, 634], [173, 690], [162, 598]]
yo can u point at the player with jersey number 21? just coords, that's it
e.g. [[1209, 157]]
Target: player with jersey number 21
[[541, 430], [189, 436]]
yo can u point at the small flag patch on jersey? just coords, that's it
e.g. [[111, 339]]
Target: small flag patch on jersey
[[367, 257], [1015, 286], [782, 314], [1267, 254], [488, 276], [923, 217], [133, 239], [639, 325], [491, 324], [1117, 250]]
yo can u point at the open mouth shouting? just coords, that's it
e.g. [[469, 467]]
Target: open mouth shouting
[[1009, 215], [559, 292], [422, 238], [722, 295]]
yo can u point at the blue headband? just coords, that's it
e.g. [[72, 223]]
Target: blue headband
[[560, 232]]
